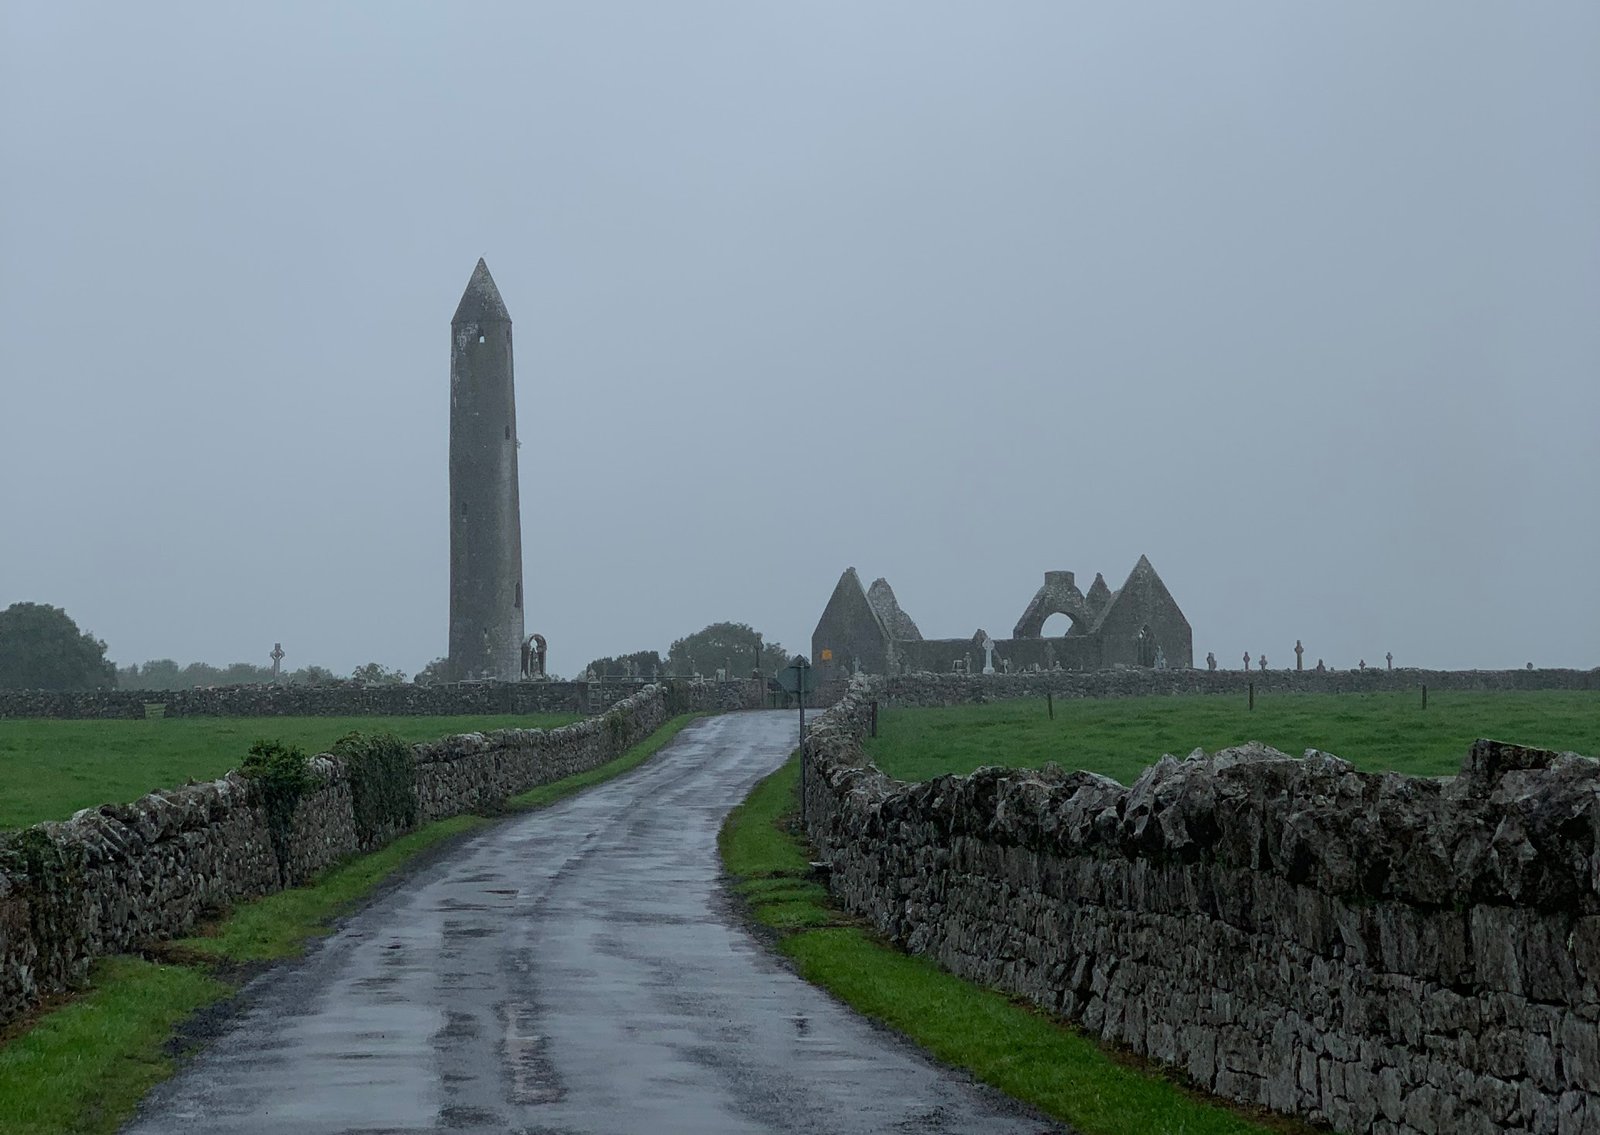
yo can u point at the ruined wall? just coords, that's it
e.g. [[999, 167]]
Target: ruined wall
[[934, 656], [340, 700], [119, 875], [1383, 953]]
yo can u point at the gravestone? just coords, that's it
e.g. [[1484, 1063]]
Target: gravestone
[[1299, 655], [1211, 660], [277, 660], [987, 644]]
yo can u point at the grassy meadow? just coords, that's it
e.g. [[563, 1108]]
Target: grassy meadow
[[50, 769], [1119, 737]]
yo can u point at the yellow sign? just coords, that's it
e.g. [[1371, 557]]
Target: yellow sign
[[827, 655]]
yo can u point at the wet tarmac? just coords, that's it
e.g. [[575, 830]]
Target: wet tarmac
[[573, 970]]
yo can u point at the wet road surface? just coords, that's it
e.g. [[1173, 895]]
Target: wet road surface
[[572, 970]]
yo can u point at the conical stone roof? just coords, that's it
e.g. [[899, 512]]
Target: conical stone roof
[[481, 302]]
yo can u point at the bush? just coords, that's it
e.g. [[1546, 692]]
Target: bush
[[52, 873], [283, 774], [678, 700], [383, 784]]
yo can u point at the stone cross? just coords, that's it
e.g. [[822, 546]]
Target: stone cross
[[1161, 659], [1389, 658], [988, 654], [1211, 660], [1262, 661], [1247, 662], [1299, 655], [277, 660]]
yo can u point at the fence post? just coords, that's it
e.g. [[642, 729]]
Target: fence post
[[1424, 696], [1050, 703], [1252, 695], [874, 717]]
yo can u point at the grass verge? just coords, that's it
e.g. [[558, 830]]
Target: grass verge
[[1001, 1042], [80, 1069]]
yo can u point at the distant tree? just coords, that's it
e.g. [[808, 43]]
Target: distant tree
[[41, 648], [165, 674], [312, 676], [433, 673], [645, 662], [375, 674], [160, 674], [157, 674], [244, 674], [730, 645]]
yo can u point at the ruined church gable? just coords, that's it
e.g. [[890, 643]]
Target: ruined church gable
[[899, 624]]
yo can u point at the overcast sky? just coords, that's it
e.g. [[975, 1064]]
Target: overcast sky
[[1300, 300]]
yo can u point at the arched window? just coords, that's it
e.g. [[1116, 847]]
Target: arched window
[[1146, 646]]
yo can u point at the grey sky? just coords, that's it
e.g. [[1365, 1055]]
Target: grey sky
[[1299, 300]]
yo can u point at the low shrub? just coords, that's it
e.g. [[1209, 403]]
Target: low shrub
[[282, 773], [383, 784]]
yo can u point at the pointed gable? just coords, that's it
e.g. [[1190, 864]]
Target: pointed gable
[[1098, 598], [900, 625], [1144, 601], [850, 632]]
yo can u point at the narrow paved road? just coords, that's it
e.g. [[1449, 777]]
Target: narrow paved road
[[572, 970]]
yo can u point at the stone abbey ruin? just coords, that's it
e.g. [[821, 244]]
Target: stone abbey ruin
[[1138, 625]]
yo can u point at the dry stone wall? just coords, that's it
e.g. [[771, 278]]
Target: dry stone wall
[[346, 699], [114, 877], [1382, 953], [961, 689]]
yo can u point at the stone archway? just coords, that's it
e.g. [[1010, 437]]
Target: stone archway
[[1058, 596], [1060, 624]]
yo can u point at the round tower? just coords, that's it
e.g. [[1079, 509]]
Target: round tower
[[485, 517]]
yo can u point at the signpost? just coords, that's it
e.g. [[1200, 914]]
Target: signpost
[[800, 679]]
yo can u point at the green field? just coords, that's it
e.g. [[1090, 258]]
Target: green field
[[1120, 736], [50, 769]]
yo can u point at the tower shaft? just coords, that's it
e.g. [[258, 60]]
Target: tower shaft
[[486, 599]]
